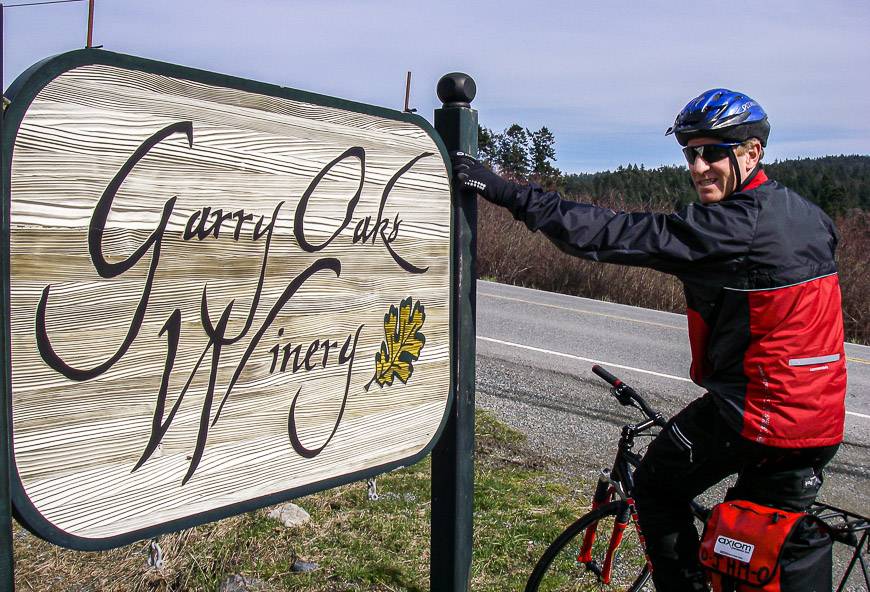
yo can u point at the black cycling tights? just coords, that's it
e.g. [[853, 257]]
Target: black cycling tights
[[696, 451]]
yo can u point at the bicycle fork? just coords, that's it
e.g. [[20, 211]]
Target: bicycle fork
[[604, 493]]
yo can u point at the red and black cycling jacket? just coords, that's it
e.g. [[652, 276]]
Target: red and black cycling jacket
[[762, 294]]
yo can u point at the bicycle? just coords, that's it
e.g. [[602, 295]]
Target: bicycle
[[580, 559]]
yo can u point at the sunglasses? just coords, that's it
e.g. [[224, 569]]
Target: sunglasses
[[709, 152]]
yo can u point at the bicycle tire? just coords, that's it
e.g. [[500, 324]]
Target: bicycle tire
[[558, 568]]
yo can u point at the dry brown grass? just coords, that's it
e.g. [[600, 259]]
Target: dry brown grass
[[508, 253], [194, 559], [355, 543], [853, 260]]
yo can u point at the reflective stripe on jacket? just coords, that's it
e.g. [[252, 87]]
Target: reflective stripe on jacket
[[762, 294]]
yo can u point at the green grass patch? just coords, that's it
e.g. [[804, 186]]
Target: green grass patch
[[521, 504]]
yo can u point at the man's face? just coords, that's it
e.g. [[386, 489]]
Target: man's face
[[714, 181]]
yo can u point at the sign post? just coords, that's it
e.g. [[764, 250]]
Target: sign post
[[453, 455]]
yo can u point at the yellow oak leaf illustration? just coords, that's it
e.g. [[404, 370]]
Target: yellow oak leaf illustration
[[402, 344]]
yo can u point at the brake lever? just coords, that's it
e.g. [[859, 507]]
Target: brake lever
[[622, 395]]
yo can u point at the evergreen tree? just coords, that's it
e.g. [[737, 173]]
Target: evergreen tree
[[486, 145], [542, 151], [512, 152]]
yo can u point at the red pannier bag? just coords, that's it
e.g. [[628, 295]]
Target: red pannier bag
[[748, 547]]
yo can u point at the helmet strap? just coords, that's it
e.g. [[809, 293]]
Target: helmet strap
[[735, 166]]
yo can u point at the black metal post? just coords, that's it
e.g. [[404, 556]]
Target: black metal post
[[7, 561], [453, 455]]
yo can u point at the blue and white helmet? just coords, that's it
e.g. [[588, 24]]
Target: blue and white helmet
[[721, 113]]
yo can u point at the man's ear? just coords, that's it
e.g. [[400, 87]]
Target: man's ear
[[754, 153]]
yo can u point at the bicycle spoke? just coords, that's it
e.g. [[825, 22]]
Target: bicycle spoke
[[565, 573]]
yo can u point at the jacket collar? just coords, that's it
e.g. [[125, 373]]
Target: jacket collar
[[755, 178]]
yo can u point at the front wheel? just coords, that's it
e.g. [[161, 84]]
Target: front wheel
[[563, 566]]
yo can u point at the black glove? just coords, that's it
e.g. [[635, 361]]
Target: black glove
[[470, 173]]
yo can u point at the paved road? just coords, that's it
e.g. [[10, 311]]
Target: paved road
[[535, 350]]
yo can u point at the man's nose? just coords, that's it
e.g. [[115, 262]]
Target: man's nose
[[699, 165]]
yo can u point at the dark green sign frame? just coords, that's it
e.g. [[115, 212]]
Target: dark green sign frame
[[452, 466], [21, 93]]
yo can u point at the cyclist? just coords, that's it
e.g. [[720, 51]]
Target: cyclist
[[765, 323]]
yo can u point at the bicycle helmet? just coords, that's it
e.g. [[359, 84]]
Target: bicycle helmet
[[721, 113]]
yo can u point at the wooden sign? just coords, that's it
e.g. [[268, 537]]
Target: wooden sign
[[221, 294]]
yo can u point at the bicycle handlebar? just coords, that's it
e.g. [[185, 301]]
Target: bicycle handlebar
[[607, 376], [627, 395]]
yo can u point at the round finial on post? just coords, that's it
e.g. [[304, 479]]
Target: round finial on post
[[456, 89]]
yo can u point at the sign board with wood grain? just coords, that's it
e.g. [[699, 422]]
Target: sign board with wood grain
[[219, 294]]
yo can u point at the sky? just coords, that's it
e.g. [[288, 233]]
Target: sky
[[607, 78]]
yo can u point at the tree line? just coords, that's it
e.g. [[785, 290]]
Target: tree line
[[836, 183], [520, 153]]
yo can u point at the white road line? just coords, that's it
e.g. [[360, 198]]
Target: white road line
[[537, 295], [581, 359], [583, 311], [609, 364], [852, 359]]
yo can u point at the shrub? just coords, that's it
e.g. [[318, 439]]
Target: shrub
[[508, 253]]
